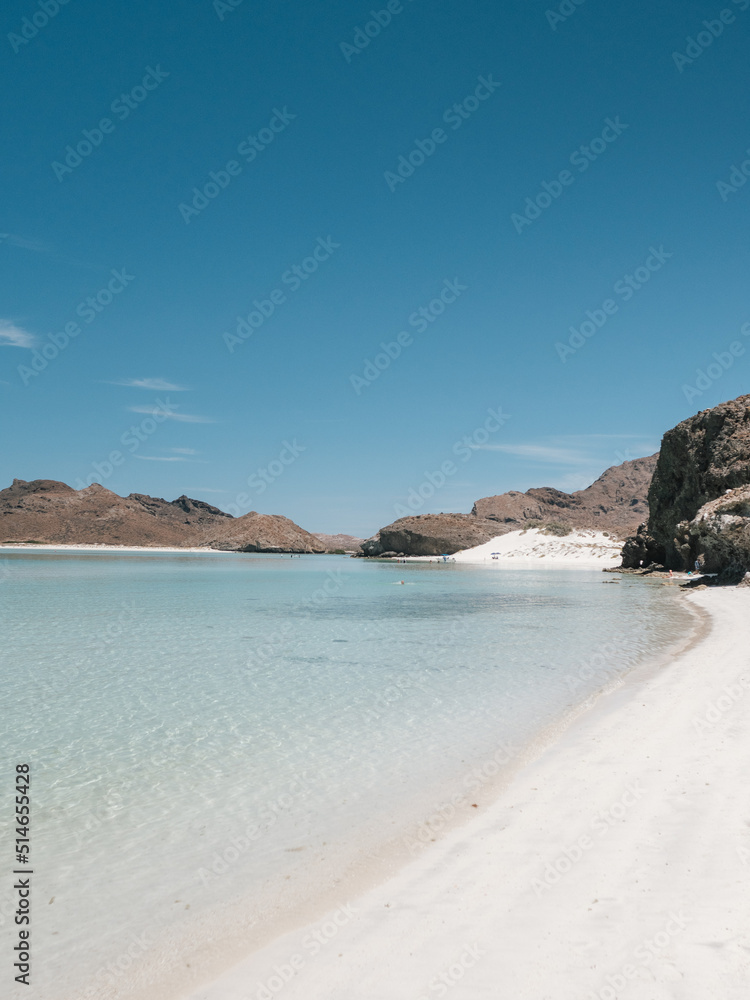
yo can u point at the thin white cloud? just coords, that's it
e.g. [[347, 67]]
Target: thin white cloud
[[20, 241], [546, 454], [155, 384], [13, 336], [185, 418], [170, 458], [582, 450]]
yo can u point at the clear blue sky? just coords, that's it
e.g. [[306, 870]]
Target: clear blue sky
[[317, 125]]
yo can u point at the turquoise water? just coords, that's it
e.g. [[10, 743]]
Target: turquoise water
[[216, 736]]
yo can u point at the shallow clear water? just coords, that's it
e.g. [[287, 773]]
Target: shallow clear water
[[205, 729]]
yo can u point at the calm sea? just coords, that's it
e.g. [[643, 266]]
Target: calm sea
[[217, 740]]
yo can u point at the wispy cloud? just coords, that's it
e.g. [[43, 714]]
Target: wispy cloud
[[13, 336], [156, 384], [161, 458], [185, 418], [546, 454], [582, 450], [20, 241], [37, 246], [184, 451]]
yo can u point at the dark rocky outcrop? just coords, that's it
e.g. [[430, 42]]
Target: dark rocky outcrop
[[616, 503], [48, 511], [701, 461], [719, 535], [431, 535]]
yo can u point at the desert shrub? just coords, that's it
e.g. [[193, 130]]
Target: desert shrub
[[555, 528]]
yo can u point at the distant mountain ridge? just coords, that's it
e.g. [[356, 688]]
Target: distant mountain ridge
[[616, 503], [46, 510]]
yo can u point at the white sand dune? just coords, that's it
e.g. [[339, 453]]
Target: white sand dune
[[615, 865], [522, 549]]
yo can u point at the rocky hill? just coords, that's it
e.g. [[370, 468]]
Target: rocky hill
[[340, 543], [48, 511], [616, 502], [699, 494]]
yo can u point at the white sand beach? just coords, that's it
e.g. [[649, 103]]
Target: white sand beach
[[614, 863], [64, 547], [532, 548]]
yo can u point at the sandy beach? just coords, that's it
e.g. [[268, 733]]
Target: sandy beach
[[613, 864], [533, 548], [63, 547]]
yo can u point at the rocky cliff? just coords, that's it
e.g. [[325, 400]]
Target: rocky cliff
[[616, 502], [48, 511], [695, 512]]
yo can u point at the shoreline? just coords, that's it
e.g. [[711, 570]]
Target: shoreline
[[492, 878], [96, 547]]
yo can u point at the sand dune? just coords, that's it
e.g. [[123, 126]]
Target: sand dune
[[579, 549]]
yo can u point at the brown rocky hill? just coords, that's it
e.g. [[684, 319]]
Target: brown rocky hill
[[255, 532], [48, 511], [701, 460], [616, 503], [432, 535], [339, 543]]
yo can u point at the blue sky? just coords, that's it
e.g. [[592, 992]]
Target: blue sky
[[551, 166]]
